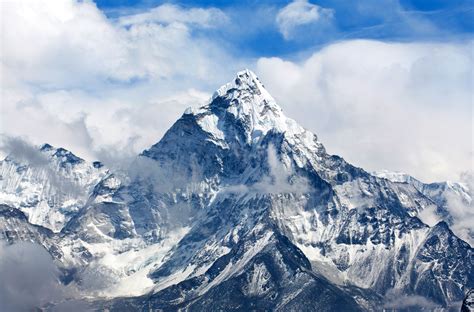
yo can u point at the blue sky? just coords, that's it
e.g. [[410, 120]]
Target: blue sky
[[373, 79], [253, 31]]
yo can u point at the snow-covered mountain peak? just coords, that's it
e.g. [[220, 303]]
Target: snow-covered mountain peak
[[61, 155], [461, 189], [246, 104], [45, 155], [237, 127], [453, 201], [245, 80], [246, 97], [49, 184], [65, 157], [46, 147]]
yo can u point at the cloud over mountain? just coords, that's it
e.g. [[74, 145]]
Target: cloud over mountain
[[77, 77], [403, 106]]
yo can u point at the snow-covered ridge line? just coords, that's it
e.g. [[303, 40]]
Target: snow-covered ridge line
[[51, 187], [452, 202]]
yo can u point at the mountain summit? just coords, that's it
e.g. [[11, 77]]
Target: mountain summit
[[239, 208], [251, 107]]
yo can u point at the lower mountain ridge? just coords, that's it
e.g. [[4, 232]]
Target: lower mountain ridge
[[238, 208]]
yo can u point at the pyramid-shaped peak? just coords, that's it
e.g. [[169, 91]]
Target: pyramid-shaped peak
[[247, 77], [245, 82], [46, 147], [241, 113], [62, 154], [253, 109]]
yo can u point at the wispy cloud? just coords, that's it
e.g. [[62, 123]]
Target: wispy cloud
[[170, 13], [399, 301], [22, 151], [460, 208], [280, 179]]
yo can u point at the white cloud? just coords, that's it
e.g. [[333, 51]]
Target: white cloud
[[169, 13], [396, 300], [66, 44], [60, 44], [397, 106], [73, 78], [429, 216], [299, 13], [280, 179]]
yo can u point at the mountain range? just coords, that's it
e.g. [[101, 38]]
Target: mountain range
[[238, 208]]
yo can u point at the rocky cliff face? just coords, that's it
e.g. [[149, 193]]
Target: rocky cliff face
[[238, 207]]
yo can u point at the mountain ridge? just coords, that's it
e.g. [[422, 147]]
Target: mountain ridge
[[239, 206]]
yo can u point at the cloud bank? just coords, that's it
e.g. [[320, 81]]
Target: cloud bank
[[397, 106], [31, 281], [73, 77], [396, 300]]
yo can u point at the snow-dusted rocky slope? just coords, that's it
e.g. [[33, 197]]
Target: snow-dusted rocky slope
[[452, 202], [50, 190], [237, 207]]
